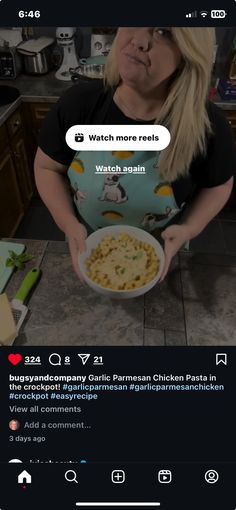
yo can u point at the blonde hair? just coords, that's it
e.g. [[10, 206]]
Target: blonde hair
[[184, 110]]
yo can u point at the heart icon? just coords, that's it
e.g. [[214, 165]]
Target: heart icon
[[14, 358]]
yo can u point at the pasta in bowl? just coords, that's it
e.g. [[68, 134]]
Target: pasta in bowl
[[122, 261]]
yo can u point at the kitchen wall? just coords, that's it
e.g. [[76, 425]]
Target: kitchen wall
[[82, 40], [224, 38]]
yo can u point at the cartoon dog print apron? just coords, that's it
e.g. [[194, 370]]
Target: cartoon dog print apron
[[104, 199]]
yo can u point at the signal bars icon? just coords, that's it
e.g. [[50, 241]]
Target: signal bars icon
[[194, 14], [191, 14]]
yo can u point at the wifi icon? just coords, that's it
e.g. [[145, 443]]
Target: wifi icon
[[204, 14]]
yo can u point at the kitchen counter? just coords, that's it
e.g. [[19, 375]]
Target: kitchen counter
[[225, 105], [195, 305], [47, 88], [38, 89]]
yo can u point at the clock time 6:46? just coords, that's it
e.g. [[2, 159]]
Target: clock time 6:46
[[29, 14]]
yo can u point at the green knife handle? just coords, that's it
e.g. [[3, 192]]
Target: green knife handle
[[29, 281]]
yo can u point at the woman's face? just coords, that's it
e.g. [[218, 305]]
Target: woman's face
[[13, 425], [146, 56]]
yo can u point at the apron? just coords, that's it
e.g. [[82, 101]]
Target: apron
[[142, 200], [145, 200]]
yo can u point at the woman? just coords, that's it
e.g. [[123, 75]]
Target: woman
[[14, 425], [153, 75]]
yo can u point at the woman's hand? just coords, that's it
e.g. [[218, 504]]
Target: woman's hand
[[174, 236], [76, 234]]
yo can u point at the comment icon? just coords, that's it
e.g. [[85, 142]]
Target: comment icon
[[55, 359]]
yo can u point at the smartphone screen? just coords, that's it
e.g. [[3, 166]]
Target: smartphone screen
[[117, 256]]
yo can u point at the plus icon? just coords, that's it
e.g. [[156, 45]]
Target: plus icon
[[118, 476]]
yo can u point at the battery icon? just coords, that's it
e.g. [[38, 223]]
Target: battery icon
[[219, 13]]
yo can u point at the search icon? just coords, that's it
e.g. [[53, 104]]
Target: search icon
[[70, 476], [55, 359]]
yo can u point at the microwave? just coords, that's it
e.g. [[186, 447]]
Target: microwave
[[10, 63]]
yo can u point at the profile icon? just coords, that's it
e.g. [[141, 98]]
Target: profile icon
[[211, 476], [14, 424]]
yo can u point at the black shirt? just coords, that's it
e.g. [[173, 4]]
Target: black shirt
[[90, 103]]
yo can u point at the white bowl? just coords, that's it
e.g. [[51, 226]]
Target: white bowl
[[94, 239]]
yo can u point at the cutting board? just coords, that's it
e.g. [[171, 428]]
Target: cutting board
[[5, 272]]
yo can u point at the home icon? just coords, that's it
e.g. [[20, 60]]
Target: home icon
[[24, 477]]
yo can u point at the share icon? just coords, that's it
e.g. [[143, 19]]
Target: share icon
[[84, 358]]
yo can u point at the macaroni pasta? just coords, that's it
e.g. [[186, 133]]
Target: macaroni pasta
[[122, 263]]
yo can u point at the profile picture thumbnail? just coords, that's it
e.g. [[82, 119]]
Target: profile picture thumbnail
[[14, 424]]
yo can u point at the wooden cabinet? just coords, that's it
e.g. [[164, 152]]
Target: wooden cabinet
[[18, 145], [22, 169], [3, 138], [39, 112], [11, 205], [16, 178], [34, 114], [15, 123]]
